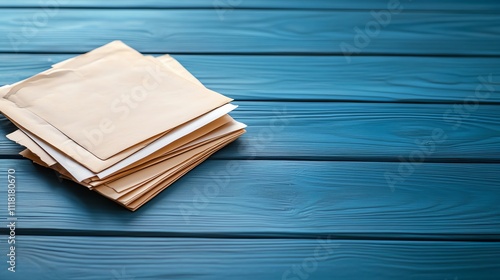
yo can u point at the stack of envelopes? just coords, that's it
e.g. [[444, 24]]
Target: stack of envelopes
[[118, 122]]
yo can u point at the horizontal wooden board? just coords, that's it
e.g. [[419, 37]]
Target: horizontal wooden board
[[357, 131], [252, 31], [468, 5], [317, 78], [61, 257], [276, 199]]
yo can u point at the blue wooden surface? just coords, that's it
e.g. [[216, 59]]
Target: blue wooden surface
[[251, 31], [326, 165]]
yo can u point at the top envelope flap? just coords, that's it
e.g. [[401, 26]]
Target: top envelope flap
[[111, 99]]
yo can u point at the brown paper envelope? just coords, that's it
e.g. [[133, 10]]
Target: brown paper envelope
[[45, 159], [131, 194], [152, 192], [152, 189], [213, 137], [222, 131], [151, 172], [173, 100], [47, 72], [32, 156], [99, 164], [136, 192], [56, 167], [22, 139], [180, 162], [129, 197], [139, 201], [159, 156], [218, 133], [120, 179]]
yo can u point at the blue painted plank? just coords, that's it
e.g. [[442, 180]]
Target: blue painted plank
[[361, 131], [483, 5], [61, 257], [317, 78], [252, 31], [251, 198], [357, 131]]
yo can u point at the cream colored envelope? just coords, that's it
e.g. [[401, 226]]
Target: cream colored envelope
[[139, 201], [162, 155], [22, 139], [133, 181], [144, 192], [143, 175], [94, 92], [136, 172], [159, 156], [137, 192], [30, 155], [81, 172]]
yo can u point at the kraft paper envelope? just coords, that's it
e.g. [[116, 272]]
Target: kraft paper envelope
[[30, 155], [139, 201], [167, 61], [138, 196], [177, 63], [181, 104], [154, 170], [171, 63], [135, 170], [126, 184], [169, 138], [23, 139], [159, 156], [129, 196], [219, 132], [81, 173], [84, 153], [212, 136], [36, 104]]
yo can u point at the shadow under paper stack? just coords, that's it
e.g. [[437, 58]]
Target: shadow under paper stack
[[118, 122]]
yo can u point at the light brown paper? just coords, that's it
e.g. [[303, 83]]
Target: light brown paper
[[22, 139], [146, 191], [162, 155], [174, 101], [101, 76]]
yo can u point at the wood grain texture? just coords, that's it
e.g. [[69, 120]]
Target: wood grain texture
[[330, 162], [482, 5], [345, 131], [250, 31], [317, 78], [356, 131], [275, 199], [60, 257]]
